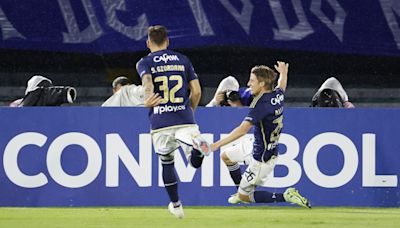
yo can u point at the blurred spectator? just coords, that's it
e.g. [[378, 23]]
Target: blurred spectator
[[40, 91], [125, 94], [230, 94], [331, 94]]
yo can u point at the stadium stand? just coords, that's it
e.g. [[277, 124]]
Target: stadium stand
[[370, 81]]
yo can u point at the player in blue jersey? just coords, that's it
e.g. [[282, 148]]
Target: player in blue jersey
[[172, 90], [265, 115]]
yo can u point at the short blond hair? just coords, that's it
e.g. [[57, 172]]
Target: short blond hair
[[265, 74]]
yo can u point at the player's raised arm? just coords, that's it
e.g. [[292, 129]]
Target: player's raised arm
[[283, 69], [195, 93]]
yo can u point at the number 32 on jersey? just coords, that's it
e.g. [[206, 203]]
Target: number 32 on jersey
[[169, 93]]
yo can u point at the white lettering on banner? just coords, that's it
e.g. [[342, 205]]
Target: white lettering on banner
[[391, 9], [337, 25], [287, 159], [369, 177], [10, 160], [186, 172], [201, 18], [93, 166], [7, 29], [310, 163], [134, 32], [244, 17], [165, 58], [301, 30], [74, 35], [116, 150]]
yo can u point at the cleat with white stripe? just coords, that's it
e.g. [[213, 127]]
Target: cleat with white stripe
[[176, 211], [201, 145], [293, 196]]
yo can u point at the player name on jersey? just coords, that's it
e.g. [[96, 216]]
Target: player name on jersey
[[166, 68]]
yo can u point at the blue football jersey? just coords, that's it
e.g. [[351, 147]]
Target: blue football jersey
[[171, 73], [266, 114]]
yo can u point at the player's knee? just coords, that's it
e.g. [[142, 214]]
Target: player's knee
[[166, 158], [226, 159]]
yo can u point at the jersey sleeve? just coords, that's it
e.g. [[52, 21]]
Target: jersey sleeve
[[142, 68], [190, 72], [257, 113]]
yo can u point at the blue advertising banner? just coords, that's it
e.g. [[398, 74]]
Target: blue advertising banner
[[105, 26], [82, 156]]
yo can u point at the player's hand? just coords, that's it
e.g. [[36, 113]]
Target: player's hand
[[214, 147], [153, 100], [282, 67], [220, 97]]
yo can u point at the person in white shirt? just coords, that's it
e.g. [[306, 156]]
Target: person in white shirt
[[125, 94]]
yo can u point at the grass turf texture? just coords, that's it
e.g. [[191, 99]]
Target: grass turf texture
[[237, 216]]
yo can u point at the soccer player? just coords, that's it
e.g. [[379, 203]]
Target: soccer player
[[170, 76], [266, 115], [125, 94]]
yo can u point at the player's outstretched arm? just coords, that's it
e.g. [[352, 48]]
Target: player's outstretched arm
[[195, 93], [238, 132], [283, 69]]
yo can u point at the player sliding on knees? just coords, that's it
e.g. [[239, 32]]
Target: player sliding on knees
[[266, 116]]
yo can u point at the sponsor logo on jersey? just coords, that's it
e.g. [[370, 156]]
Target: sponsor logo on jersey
[[278, 99], [165, 58], [168, 108]]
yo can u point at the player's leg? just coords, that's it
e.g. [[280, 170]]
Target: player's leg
[[234, 169], [239, 151], [186, 136], [266, 196], [169, 176], [191, 135], [255, 174], [165, 145]]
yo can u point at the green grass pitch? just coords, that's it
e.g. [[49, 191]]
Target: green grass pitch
[[235, 216]]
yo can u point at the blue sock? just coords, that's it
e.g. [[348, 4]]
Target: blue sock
[[234, 171], [170, 182], [196, 159], [267, 197]]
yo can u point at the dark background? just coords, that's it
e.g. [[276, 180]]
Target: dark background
[[307, 69]]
